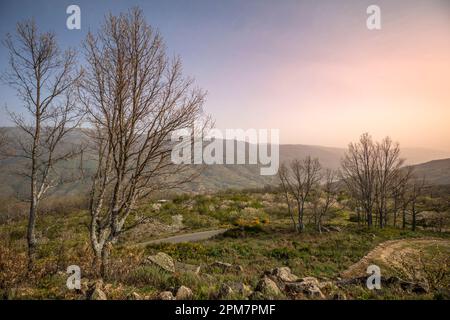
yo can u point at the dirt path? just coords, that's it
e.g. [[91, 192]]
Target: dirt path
[[188, 237], [389, 253]]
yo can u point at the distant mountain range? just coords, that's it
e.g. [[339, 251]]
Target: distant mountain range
[[219, 177]]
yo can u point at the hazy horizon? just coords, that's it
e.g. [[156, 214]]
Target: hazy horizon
[[311, 69]]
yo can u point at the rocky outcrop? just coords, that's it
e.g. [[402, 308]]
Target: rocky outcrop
[[95, 291], [162, 260], [225, 291], [236, 288], [283, 274], [184, 293], [281, 280], [308, 286], [165, 295], [268, 287]]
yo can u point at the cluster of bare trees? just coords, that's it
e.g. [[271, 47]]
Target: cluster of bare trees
[[381, 186], [300, 182], [381, 189], [129, 96]]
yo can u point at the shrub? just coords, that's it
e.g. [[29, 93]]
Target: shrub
[[283, 253]]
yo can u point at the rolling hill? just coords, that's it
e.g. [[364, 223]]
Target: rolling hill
[[220, 177], [436, 172]]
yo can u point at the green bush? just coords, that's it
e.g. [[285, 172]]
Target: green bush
[[283, 253]]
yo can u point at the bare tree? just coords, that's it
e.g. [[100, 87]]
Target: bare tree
[[44, 78], [325, 198], [399, 194], [388, 166], [3, 141], [302, 177], [416, 191], [283, 175], [358, 171], [135, 98]]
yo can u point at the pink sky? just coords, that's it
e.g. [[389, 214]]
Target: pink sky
[[307, 67], [347, 80]]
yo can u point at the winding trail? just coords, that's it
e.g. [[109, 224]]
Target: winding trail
[[390, 253], [188, 237]]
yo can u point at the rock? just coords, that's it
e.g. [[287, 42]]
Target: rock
[[135, 296], [284, 274], [224, 291], [268, 286], [314, 292], [184, 293], [226, 267], [326, 284], [162, 260], [307, 285], [184, 267], [95, 291], [352, 281], [407, 285], [242, 289], [310, 281], [227, 290], [165, 295]]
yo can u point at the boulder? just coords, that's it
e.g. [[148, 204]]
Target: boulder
[[165, 295], [184, 293], [225, 291], [406, 285], [95, 291], [241, 288], [267, 286], [162, 260], [284, 274], [309, 286]]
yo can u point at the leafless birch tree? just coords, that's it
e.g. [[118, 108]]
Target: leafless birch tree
[[44, 78]]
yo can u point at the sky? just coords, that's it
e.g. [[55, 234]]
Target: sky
[[309, 68]]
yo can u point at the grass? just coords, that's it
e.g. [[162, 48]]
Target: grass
[[261, 237]]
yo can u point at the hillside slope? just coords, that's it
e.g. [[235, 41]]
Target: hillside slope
[[220, 177], [436, 172]]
